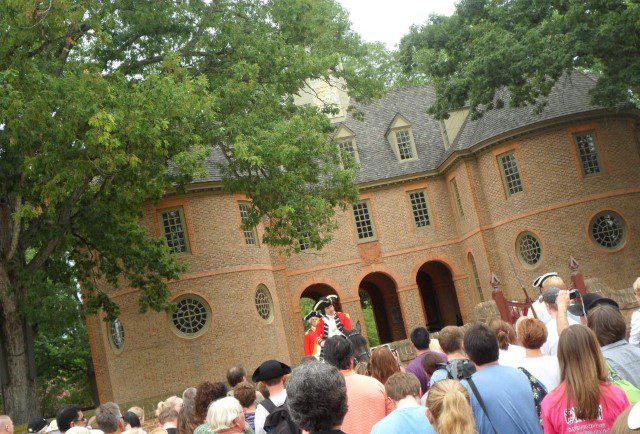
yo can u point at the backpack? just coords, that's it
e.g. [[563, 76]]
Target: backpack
[[278, 421], [632, 392], [459, 369]]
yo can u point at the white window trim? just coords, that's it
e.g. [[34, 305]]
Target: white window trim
[[392, 138], [255, 232], [374, 237], [428, 208], [183, 222], [352, 139]]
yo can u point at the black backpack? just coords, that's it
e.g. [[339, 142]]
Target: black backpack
[[458, 369], [278, 421]]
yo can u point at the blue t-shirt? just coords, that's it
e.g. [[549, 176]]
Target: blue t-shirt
[[507, 394], [438, 375], [406, 420]]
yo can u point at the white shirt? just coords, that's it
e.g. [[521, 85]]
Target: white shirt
[[512, 356], [262, 413], [550, 348], [544, 315], [333, 326], [634, 336], [544, 368], [541, 311]]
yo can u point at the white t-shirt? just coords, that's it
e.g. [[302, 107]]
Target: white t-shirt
[[262, 413], [544, 368], [512, 356], [550, 348], [634, 336], [541, 311]]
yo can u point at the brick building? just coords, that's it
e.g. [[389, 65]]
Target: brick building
[[443, 205]]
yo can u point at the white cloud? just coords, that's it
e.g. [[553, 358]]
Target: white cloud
[[388, 20]]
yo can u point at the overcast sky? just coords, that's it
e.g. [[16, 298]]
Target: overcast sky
[[388, 20]]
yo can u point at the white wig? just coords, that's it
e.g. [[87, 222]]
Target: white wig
[[222, 413]]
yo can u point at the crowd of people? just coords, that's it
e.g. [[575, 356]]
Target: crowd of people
[[568, 367]]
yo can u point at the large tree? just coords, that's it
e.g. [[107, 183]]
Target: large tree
[[525, 46], [105, 105]]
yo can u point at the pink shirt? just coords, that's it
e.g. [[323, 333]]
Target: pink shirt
[[367, 403], [558, 417]]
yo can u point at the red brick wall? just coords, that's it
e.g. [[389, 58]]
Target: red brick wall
[[556, 205]]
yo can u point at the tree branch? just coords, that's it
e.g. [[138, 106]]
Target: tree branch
[[64, 222]]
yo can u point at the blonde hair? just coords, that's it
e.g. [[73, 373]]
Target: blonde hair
[[554, 282], [449, 404], [138, 411], [222, 413], [166, 410], [636, 286], [158, 431]]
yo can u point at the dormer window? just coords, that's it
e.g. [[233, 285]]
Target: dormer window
[[349, 146], [346, 140], [400, 137], [405, 150]]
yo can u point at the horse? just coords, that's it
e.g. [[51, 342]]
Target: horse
[[359, 343]]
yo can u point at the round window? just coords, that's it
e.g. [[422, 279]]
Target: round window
[[608, 230], [529, 249], [191, 317], [264, 304], [116, 334]]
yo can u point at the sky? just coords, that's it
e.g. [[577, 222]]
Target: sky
[[388, 20]]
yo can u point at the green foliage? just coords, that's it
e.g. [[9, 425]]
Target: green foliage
[[107, 106], [526, 46], [306, 306], [369, 319]]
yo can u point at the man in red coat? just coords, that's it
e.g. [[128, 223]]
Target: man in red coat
[[332, 323], [311, 347]]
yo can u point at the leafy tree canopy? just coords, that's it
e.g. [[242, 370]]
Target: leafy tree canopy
[[525, 46], [106, 105]]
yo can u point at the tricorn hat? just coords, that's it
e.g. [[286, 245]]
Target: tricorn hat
[[37, 424], [540, 279], [269, 370], [312, 314], [324, 302]]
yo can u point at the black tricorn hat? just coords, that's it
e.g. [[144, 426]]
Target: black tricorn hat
[[37, 424], [269, 370], [324, 302], [312, 314]]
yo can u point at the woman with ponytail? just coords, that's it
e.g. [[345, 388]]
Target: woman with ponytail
[[585, 401], [167, 413], [449, 409]]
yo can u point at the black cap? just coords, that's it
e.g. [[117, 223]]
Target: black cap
[[37, 424], [590, 301], [312, 314], [269, 370]]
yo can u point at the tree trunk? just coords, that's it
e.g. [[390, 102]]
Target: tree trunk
[[19, 387]]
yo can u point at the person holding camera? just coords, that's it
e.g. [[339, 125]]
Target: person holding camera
[[549, 297]]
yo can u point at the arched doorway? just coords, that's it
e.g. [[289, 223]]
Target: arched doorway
[[438, 293], [379, 290], [312, 294]]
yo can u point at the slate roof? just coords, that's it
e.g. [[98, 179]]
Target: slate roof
[[570, 96]]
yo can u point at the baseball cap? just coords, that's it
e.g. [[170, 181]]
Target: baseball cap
[[550, 295], [588, 302]]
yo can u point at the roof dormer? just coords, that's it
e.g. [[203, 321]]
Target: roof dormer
[[346, 140], [400, 137], [452, 126]]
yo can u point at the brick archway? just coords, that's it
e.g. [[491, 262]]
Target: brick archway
[[318, 290], [381, 289], [438, 293]]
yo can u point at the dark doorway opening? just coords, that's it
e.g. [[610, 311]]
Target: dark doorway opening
[[382, 294], [438, 293]]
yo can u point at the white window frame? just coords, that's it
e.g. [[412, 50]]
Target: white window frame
[[183, 224], [393, 139], [353, 148], [505, 181], [374, 235], [252, 233], [427, 208]]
